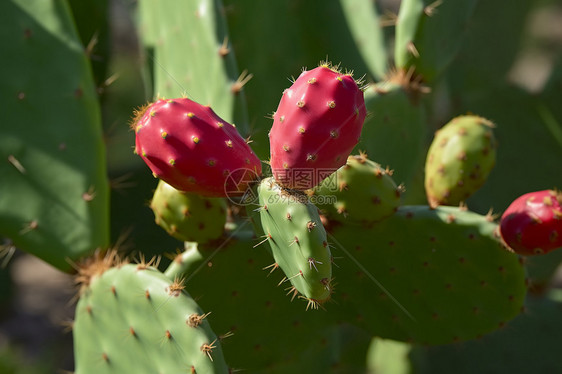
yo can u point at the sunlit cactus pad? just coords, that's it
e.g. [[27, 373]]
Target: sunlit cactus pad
[[133, 319]]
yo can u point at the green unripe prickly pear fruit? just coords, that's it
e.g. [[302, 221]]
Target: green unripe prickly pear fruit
[[188, 216], [360, 191], [459, 160]]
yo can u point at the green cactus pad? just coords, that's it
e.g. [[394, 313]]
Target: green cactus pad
[[429, 34], [187, 216], [364, 15], [92, 21], [359, 192], [293, 229], [266, 324], [134, 319], [459, 160], [54, 195], [190, 51], [395, 133], [431, 276]]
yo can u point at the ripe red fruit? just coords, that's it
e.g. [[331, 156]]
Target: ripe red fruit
[[315, 128], [192, 149], [532, 224]]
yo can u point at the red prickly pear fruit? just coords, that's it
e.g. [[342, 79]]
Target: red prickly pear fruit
[[532, 224], [315, 128], [192, 149]]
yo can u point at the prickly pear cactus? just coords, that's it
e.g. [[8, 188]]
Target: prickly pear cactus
[[261, 316], [359, 192], [187, 216], [292, 227], [459, 160], [54, 195], [132, 318]]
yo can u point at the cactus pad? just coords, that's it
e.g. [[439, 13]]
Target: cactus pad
[[420, 38], [265, 323], [293, 229], [446, 277], [133, 319], [54, 195]]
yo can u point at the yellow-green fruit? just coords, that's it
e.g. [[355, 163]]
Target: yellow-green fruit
[[459, 160], [188, 216]]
